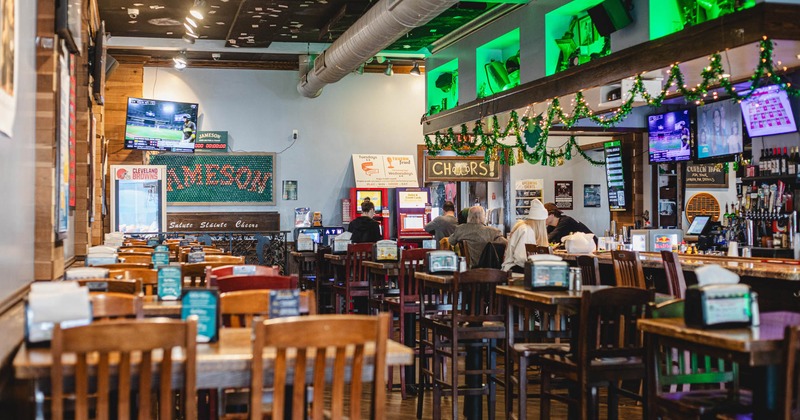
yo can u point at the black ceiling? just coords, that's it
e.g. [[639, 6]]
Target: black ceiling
[[258, 23]]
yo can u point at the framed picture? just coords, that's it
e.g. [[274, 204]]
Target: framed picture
[[289, 190], [62, 142], [68, 24], [563, 195], [73, 127], [591, 195], [9, 74]]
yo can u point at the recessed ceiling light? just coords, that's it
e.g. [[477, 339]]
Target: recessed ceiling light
[[131, 21], [156, 7], [243, 34], [273, 16], [303, 5], [294, 36], [284, 6], [215, 6], [250, 12], [207, 26], [258, 9], [272, 25], [169, 33], [138, 4], [254, 26], [212, 12], [220, 23]]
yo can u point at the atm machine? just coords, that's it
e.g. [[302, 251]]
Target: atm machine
[[413, 207], [380, 198]]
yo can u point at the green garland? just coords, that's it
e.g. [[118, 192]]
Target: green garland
[[531, 134]]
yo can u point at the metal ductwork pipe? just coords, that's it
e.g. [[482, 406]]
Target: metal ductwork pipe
[[382, 25]]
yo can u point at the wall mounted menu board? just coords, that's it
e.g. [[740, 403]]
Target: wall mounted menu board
[[615, 177], [706, 175]]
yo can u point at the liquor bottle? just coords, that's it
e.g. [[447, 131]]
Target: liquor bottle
[[761, 160], [797, 160], [726, 216], [784, 160], [774, 162], [768, 164], [791, 169]]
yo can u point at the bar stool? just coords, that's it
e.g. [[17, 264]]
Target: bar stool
[[675, 281], [590, 270], [628, 269], [355, 282]]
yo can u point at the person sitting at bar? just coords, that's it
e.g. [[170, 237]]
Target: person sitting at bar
[[564, 225], [476, 234], [364, 228], [530, 230], [445, 224]]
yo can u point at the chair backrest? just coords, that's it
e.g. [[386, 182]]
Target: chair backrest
[[147, 276], [124, 342], [234, 283], [127, 286], [463, 249], [477, 298], [321, 332], [531, 249], [411, 261], [324, 271], [227, 259], [227, 270], [127, 265], [590, 270], [135, 257], [679, 368], [356, 273], [109, 305], [675, 281], [135, 249], [135, 242], [184, 252], [197, 273], [628, 269], [607, 327], [238, 309], [791, 380]]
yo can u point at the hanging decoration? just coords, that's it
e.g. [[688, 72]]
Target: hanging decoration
[[529, 135]]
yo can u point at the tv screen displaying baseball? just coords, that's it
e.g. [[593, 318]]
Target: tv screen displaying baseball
[[160, 125], [670, 136]]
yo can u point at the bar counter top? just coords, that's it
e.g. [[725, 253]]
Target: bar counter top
[[773, 268]]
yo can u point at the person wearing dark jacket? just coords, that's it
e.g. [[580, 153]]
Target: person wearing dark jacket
[[563, 225], [364, 228]]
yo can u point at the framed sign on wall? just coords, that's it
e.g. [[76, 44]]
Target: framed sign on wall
[[138, 198]]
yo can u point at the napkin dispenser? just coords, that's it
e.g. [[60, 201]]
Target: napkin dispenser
[[340, 245], [546, 275], [50, 303], [304, 242], [441, 262], [719, 306], [385, 250]]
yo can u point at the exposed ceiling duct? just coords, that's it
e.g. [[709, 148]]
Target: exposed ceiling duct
[[383, 24]]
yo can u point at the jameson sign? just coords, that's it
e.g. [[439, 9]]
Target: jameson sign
[[212, 140], [219, 178]]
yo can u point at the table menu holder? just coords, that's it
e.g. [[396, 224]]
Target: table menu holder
[[170, 280], [160, 258], [204, 303], [244, 270], [283, 303]]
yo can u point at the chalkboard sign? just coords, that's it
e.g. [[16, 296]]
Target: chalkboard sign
[[219, 178], [706, 175]]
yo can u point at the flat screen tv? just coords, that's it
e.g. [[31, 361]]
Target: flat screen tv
[[719, 131], [767, 112], [160, 125], [615, 176], [670, 136], [376, 196]]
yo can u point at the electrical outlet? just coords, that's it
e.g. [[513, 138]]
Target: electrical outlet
[[295, 134]]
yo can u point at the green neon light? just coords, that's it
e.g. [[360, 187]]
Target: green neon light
[[497, 64], [442, 87], [571, 37]]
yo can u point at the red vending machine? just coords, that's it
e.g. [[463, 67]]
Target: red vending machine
[[413, 213], [380, 198]]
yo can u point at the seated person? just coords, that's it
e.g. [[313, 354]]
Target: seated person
[[530, 230], [364, 228], [564, 225], [550, 207], [445, 224], [476, 234]]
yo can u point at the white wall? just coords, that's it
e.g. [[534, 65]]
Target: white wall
[[17, 165], [369, 113]]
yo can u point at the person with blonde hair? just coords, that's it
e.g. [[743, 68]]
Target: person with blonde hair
[[530, 230]]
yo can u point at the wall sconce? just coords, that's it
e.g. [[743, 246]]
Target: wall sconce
[[414, 70]]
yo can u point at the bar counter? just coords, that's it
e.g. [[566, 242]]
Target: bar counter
[[777, 281]]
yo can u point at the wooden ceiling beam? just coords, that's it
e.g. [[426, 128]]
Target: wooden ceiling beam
[[776, 21]]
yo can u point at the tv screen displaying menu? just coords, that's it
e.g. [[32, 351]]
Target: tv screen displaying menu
[[160, 125], [767, 112], [375, 196], [670, 136], [719, 130], [615, 177]]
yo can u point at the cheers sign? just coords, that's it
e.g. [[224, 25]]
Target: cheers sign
[[224, 222], [219, 178]]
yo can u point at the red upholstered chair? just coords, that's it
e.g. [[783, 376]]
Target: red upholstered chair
[[227, 270], [234, 283], [356, 281]]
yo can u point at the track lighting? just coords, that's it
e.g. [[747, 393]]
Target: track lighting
[[414, 70], [191, 22], [198, 10], [188, 27], [388, 70], [189, 39], [180, 60]]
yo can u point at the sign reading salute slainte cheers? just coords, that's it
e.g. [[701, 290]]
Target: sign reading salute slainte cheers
[[219, 178]]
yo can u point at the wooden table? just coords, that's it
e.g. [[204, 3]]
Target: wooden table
[[224, 364], [760, 348], [152, 307]]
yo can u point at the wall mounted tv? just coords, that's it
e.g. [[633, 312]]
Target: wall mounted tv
[[767, 112], [670, 136], [719, 131], [615, 176], [160, 125]]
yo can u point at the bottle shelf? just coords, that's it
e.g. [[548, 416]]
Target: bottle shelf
[[790, 178]]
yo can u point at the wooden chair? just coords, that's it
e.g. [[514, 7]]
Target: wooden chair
[[183, 252], [134, 242], [127, 265], [148, 277], [238, 309], [197, 272], [609, 350], [686, 383], [126, 342], [227, 270], [532, 249], [227, 259], [590, 270], [676, 284], [791, 380], [356, 281], [135, 258], [463, 248], [106, 306], [136, 249], [475, 323], [324, 281], [628, 269], [127, 286], [406, 304], [339, 332], [235, 283]]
